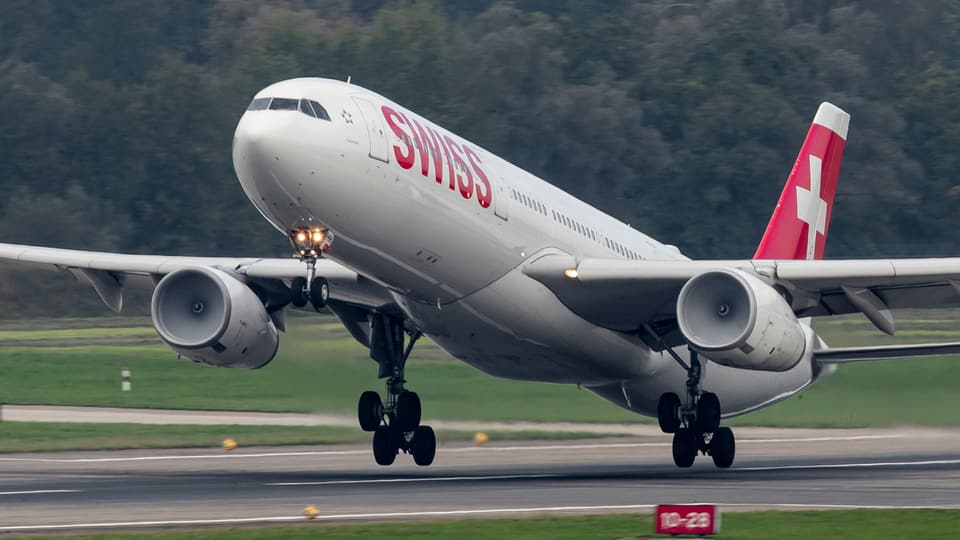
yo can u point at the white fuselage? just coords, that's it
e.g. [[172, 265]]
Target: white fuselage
[[447, 226]]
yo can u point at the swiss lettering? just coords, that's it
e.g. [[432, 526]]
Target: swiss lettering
[[464, 169]]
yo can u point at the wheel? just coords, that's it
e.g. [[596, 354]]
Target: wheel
[[708, 412], [684, 448], [423, 446], [723, 447], [369, 410], [385, 445], [408, 411], [319, 292], [668, 412], [298, 291]]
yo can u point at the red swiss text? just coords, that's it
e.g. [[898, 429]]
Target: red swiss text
[[454, 164]]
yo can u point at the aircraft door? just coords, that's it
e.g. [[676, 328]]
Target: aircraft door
[[501, 202], [379, 145]]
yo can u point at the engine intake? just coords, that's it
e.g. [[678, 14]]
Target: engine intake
[[208, 316], [737, 320]]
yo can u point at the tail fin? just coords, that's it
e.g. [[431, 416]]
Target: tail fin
[[799, 224]]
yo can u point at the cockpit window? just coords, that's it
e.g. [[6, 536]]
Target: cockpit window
[[321, 112], [284, 104], [314, 109], [259, 104], [306, 109]]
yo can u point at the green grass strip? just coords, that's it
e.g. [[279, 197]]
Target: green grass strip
[[837, 525], [42, 437]]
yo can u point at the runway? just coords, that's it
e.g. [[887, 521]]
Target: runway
[[774, 469]]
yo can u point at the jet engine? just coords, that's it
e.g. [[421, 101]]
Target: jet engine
[[737, 320], [211, 317]]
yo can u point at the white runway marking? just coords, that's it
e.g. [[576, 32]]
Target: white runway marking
[[434, 513], [517, 448], [190, 456], [600, 446], [40, 491], [852, 465], [402, 480]]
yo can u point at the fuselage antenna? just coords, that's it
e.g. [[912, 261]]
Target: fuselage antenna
[[348, 79]]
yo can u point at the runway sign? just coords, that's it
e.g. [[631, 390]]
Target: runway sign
[[695, 519]]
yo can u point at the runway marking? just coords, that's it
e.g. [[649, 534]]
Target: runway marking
[[516, 448], [598, 446], [198, 456], [426, 479], [40, 491], [852, 465], [434, 513]]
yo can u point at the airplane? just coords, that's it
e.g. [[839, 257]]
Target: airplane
[[403, 229]]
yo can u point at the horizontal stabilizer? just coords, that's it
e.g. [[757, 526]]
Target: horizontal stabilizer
[[844, 355]]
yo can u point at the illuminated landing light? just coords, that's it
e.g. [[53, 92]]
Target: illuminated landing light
[[571, 273], [308, 242]]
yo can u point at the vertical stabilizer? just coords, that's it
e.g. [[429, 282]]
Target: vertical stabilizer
[[799, 224]]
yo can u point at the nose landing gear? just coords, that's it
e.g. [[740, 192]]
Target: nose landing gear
[[307, 245], [695, 426], [396, 423]]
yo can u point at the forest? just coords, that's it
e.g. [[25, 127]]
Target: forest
[[679, 118]]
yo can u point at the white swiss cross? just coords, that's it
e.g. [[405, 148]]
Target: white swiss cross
[[811, 208]]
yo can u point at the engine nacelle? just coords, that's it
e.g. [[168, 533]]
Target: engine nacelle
[[209, 316], [737, 320]]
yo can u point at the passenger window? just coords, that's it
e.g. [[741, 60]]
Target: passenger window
[[259, 104], [321, 112]]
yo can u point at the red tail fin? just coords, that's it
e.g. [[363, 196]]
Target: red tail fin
[[798, 227]]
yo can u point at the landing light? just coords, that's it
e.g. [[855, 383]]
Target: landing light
[[571, 273], [308, 241]]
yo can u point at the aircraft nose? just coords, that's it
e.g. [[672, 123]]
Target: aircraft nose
[[258, 137], [262, 159]]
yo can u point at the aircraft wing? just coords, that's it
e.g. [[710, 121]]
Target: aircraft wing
[[111, 273], [628, 294], [846, 355]]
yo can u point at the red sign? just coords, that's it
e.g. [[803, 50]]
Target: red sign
[[695, 519]]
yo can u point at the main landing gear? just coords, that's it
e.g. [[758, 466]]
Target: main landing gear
[[695, 426], [396, 423]]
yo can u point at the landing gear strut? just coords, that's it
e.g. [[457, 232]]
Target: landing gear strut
[[395, 423], [695, 425], [307, 244]]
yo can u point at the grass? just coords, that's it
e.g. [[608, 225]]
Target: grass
[[320, 368], [42, 436], [839, 525]]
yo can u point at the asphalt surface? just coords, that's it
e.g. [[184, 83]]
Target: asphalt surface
[[774, 469]]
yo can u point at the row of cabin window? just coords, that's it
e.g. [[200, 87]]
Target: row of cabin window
[[530, 203], [537, 206], [308, 107], [618, 248], [576, 226]]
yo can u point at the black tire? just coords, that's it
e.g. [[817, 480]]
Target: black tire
[[408, 411], [370, 410], [723, 447], [298, 291], [708, 412], [668, 412], [385, 446], [684, 448], [423, 446], [319, 292]]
